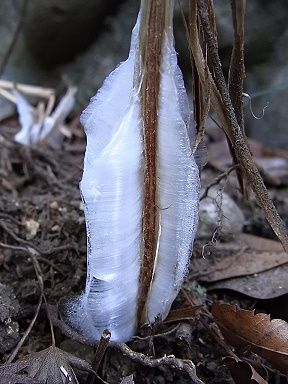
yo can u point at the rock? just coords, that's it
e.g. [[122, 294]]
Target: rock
[[218, 210], [56, 30], [266, 36], [87, 70]]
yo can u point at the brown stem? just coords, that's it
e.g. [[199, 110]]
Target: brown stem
[[237, 68], [237, 75], [155, 15], [99, 354]]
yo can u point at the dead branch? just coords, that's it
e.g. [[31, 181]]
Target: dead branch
[[170, 361], [222, 176], [99, 354]]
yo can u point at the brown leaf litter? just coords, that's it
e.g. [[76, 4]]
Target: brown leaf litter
[[256, 332]]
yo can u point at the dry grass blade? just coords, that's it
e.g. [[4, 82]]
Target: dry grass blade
[[257, 332]]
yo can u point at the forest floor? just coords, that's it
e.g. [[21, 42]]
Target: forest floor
[[43, 239]]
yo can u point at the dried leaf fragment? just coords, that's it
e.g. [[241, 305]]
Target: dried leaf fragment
[[243, 372], [14, 374], [54, 366], [245, 255], [268, 338]]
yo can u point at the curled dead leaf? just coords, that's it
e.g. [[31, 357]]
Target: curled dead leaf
[[268, 338]]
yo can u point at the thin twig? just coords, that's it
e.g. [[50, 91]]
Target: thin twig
[[33, 253], [26, 251], [47, 252], [170, 361], [31, 90], [99, 354], [218, 179], [65, 328], [39, 275], [26, 333], [19, 239], [157, 335]]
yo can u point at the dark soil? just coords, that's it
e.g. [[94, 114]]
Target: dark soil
[[41, 208]]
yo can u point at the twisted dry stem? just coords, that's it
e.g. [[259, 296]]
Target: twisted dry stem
[[222, 104]]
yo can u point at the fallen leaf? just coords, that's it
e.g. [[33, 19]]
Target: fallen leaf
[[54, 366], [243, 372], [15, 374], [266, 285], [245, 255], [272, 163], [257, 332]]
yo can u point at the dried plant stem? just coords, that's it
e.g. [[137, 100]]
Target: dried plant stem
[[99, 354], [154, 15], [237, 75], [31, 90], [223, 106], [39, 275], [237, 68], [217, 181]]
